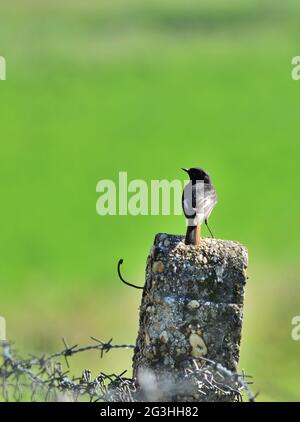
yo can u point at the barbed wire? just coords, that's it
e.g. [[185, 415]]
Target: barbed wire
[[45, 378], [224, 381]]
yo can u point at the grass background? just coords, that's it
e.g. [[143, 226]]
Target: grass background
[[147, 87]]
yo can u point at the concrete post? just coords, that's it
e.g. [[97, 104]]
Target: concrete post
[[191, 313]]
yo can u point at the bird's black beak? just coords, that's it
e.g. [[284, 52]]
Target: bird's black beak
[[186, 170]]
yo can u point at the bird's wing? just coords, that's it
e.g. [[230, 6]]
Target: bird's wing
[[210, 200], [198, 201]]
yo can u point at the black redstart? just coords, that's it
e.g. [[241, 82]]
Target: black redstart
[[198, 200]]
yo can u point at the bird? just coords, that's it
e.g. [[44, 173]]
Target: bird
[[199, 197]]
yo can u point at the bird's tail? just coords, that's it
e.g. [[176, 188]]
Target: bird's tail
[[192, 236]]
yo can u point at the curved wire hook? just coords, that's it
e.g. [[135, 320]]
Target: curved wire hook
[[122, 279]]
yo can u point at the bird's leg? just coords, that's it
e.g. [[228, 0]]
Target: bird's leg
[[192, 236], [206, 223], [198, 235]]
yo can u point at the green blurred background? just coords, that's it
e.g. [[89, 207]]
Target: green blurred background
[[147, 87]]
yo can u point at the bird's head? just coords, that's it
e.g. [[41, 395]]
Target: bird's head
[[196, 173]]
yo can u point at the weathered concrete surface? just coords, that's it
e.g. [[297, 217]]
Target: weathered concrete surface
[[192, 308]]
